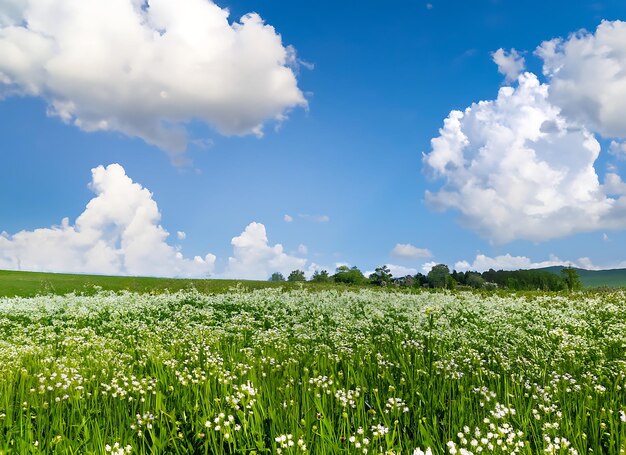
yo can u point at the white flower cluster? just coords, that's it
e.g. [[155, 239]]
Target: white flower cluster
[[557, 445], [286, 441], [395, 404], [360, 441], [224, 425], [347, 398], [501, 411], [117, 449], [379, 430], [129, 387], [243, 397], [323, 383], [142, 422], [495, 439]]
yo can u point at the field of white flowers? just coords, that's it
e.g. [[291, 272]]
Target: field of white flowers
[[313, 372]]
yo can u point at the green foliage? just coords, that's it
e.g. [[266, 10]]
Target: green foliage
[[571, 279], [528, 280], [296, 275], [321, 277], [474, 280], [347, 275], [277, 277], [381, 277], [439, 276]]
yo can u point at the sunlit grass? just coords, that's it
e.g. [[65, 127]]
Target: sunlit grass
[[325, 372]]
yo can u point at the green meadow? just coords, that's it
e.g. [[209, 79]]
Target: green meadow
[[29, 284], [276, 371]]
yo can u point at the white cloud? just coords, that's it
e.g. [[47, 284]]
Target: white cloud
[[118, 233], [427, 267], [515, 168], [399, 271], [408, 251], [315, 218], [605, 237], [587, 73], [147, 68], [509, 262], [618, 150], [288, 218], [510, 64], [181, 235], [302, 249], [254, 258], [613, 184]]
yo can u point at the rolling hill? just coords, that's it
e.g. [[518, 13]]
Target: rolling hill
[[28, 284], [612, 278]]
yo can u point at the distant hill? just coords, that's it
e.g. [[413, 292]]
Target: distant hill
[[28, 284], [613, 278]]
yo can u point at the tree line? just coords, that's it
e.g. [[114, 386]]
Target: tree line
[[441, 277]]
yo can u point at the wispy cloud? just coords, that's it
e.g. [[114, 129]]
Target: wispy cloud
[[315, 218]]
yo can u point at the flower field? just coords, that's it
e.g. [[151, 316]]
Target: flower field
[[313, 372]]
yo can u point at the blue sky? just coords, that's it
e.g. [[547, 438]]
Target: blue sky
[[378, 80]]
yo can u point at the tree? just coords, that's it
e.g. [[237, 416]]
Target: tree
[[474, 280], [321, 277], [381, 277], [296, 275], [439, 276], [345, 274], [277, 276], [571, 278], [420, 280]]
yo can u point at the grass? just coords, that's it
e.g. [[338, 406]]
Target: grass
[[614, 278], [329, 372], [30, 284]]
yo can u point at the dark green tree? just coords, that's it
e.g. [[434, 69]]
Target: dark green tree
[[474, 280], [420, 280], [382, 276], [321, 277], [296, 275], [277, 276], [439, 276], [571, 278], [347, 275]]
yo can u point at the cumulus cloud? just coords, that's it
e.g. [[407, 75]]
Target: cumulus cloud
[[118, 233], [516, 168], [510, 64], [255, 259], [522, 166], [400, 271], [509, 262], [181, 235], [408, 251], [618, 150], [587, 73], [614, 185], [145, 69], [288, 218], [427, 267]]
